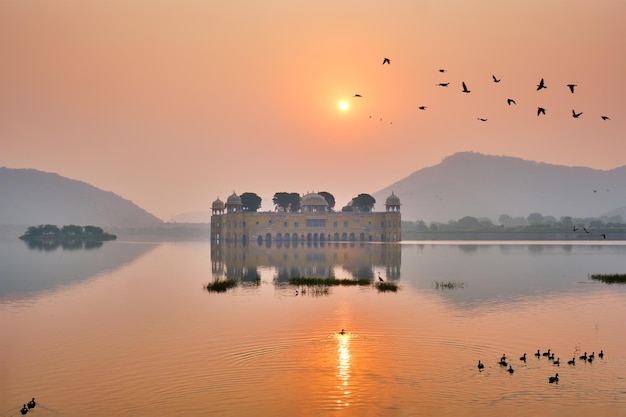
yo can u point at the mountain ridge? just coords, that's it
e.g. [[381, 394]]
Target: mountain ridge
[[30, 197], [479, 185]]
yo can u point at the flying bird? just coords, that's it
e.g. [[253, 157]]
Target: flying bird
[[576, 115], [585, 229], [422, 107], [571, 87], [442, 70], [481, 119], [386, 61], [510, 101], [379, 278], [605, 117], [495, 80], [541, 85], [443, 84], [358, 95], [465, 90], [541, 110]]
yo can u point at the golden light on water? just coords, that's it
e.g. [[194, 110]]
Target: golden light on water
[[343, 367]]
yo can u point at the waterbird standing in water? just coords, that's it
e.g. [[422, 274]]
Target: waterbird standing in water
[[480, 365], [24, 410], [510, 370], [554, 379], [32, 403]]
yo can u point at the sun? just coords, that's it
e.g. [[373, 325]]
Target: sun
[[343, 105]]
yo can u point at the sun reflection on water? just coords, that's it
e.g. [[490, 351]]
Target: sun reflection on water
[[343, 368]]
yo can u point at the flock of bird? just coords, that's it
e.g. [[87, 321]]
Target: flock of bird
[[541, 111], [550, 355]]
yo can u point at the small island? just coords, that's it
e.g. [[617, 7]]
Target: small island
[[70, 233]]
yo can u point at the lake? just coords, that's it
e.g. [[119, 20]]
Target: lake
[[129, 329]]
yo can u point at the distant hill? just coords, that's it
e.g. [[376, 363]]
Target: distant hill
[[473, 184], [29, 197]]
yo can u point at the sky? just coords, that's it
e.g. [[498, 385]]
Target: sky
[[172, 104]]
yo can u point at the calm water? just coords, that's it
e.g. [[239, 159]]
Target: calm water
[[128, 329]]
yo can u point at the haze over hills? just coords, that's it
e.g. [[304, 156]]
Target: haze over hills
[[473, 184], [29, 197]]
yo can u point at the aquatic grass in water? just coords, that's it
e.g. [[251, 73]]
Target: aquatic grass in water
[[221, 285], [309, 282], [386, 286], [609, 278], [448, 285]]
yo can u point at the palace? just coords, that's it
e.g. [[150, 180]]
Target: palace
[[313, 223]]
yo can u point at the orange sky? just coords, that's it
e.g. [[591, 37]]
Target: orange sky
[[173, 103]]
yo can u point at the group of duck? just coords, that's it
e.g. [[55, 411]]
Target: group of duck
[[28, 406], [553, 379]]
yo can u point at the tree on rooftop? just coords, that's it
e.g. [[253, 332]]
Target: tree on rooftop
[[251, 202]]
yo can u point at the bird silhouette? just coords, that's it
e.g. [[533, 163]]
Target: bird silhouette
[[546, 353], [541, 110], [465, 90], [571, 87], [480, 365], [510, 101], [481, 119], [442, 70], [576, 228], [576, 115], [541, 85], [510, 370], [554, 379], [523, 358], [24, 410], [585, 229], [583, 357], [557, 362], [379, 278], [572, 362], [422, 107], [605, 117], [358, 95], [538, 354], [601, 354], [495, 80], [342, 331], [443, 84], [32, 403], [603, 236], [386, 61]]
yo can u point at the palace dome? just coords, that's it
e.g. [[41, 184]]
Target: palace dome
[[233, 199], [392, 200], [218, 205], [313, 199]]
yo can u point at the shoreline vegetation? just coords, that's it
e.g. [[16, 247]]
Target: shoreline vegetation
[[609, 278]]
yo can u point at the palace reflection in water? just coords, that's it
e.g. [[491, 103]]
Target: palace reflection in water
[[356, 260]]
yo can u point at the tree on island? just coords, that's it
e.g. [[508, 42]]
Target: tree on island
[[69, 232], [330, 199], [287, 201], [251, 202], [363, 202]]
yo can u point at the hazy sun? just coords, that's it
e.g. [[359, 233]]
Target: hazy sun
[[343, 105]]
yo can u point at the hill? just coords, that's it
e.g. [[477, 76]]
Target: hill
[[473, 184], [29, 197]]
